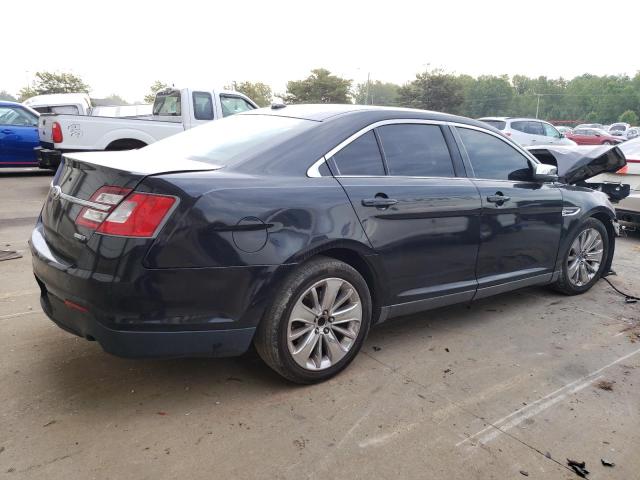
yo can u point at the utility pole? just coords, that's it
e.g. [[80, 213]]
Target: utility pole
[[366, 98], [538, 105]]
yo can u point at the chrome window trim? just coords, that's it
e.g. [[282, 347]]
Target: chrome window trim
[[314, 170]]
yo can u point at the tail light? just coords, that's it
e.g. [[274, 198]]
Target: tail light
[[126, 214], [56, 133], [508, 134]]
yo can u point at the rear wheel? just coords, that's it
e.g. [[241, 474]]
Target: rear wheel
[[317, 322], [585, 259], [607, 142]]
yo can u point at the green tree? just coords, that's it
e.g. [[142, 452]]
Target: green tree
[[629, 116], [155, 88], [257, 91], [50, 82], [376, 93], [433, 90], [488, 95], [319, 87], [4, 95]]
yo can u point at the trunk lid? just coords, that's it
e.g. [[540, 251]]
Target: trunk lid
[[80, 175]]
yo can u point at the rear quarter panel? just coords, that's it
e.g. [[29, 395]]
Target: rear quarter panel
[[227, 220]]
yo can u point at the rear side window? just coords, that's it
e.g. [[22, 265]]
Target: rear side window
[[416, 150], [360, 157], [493, 158], [202, 106], [499, 124]]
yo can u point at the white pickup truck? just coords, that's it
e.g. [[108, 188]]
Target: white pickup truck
[[174, 110]]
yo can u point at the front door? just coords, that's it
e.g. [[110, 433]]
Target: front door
[[521, 219], [18, 136], [419, 216]]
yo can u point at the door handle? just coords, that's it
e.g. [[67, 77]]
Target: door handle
[[6, 131], [498, 198], [379, 202]]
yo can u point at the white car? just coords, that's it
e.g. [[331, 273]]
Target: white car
[[633, 132], [174, 110], [528, 131], [61, 103], [619, 129], [628, 210]]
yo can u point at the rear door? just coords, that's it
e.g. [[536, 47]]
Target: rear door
[[418, 210], [521, 220], [18, 136]]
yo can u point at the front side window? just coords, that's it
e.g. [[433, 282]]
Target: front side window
[[416, 150], [493, 158], [549, 131], [360, 157], [17, 117], [232, 105], [202, 106]]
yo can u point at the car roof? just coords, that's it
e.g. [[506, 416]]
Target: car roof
[[7, 103], [324, 112]]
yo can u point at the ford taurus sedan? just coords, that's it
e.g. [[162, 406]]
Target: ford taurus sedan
[[298, 228]]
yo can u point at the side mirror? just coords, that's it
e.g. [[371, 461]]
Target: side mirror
[[545, 173]]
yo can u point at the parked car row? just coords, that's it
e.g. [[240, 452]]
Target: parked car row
[[528, 131]]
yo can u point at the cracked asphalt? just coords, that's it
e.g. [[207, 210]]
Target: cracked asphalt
[[508, 386]]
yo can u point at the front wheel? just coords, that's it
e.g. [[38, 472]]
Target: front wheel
[[317, 322], [607, 142], [584, 261]]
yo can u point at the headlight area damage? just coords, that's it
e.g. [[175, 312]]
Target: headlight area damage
[[578, 163]]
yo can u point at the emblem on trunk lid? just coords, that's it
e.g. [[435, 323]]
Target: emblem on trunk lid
[[55, 192]]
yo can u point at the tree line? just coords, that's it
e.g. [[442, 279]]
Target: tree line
[[585, 98]]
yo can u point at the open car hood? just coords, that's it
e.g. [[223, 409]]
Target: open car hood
[[576, 163]]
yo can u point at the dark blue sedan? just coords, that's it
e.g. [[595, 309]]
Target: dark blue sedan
[[18, 135], [298, 228]]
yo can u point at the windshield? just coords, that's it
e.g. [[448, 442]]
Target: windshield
[[617, 128], [499, 124], [230, 140]]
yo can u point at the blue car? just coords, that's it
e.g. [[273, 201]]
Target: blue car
[[18, 135]]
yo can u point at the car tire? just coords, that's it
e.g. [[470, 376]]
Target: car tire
[[274, 337], [607, 142], [568, 283]]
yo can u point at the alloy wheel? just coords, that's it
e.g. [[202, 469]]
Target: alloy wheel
[[585, 256], [324, 324]]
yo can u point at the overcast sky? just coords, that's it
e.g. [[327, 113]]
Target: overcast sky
[[123, 46]]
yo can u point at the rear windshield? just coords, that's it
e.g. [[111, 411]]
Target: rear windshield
[[499, 124], [617, 128], [230, 140], [167, 104]]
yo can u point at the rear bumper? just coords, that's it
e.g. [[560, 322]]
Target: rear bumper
[[146, 344], [628, 210], [48, 159], [189, 312]]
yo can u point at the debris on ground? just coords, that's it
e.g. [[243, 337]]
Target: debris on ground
[[607, 463], [446, 349], [376, 349], [49, 423], [524, 472], [9, 255], [548, 455], [161, 413], [605, 385], [578, 467]]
